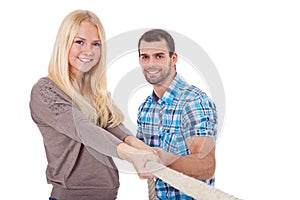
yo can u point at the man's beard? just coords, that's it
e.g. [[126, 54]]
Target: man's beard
[[157, 80]]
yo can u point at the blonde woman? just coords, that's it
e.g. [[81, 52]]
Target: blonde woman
[[81, 127]]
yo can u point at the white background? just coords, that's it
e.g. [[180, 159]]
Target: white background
[[255, 46]]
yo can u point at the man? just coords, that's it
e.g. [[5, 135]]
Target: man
[[177, 118]]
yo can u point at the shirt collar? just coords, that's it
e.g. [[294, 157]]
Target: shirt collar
[[173, 91]]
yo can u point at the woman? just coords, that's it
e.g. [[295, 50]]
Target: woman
[[80, 125]]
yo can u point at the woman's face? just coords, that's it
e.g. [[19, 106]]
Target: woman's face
[[85, 51]]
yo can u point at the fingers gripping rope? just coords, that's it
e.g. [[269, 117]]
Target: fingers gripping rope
[[186, 184]]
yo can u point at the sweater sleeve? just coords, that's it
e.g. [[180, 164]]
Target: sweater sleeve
[[120, 131], [50, 106]]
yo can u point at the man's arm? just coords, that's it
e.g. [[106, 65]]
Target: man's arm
[[199, 164]]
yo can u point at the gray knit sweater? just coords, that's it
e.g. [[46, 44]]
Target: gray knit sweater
[[79, 153]]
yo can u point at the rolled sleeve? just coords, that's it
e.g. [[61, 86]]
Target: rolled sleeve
[[199, 118]]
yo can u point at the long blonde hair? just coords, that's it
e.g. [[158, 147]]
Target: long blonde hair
[[92, 97]]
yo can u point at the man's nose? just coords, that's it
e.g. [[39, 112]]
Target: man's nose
[[151, 60]]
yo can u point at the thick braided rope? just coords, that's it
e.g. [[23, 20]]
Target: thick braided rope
[[151, 189], [186, 184]]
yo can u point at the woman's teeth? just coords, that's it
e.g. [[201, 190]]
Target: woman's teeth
[[85, 59]]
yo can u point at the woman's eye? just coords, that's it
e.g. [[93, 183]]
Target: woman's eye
[[79, 42], [97, 44]]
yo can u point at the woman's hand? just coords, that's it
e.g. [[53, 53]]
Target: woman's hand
[[165, 157], [138, 158]]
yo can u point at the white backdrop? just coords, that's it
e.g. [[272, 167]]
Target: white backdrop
[[255, 45]]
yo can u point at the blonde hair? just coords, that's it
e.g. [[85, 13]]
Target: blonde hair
[[92, 97]]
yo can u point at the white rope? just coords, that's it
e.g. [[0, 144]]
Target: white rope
[[151, 189], [186, 184]]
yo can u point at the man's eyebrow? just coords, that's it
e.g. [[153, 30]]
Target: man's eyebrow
[[160, 53], [157, 53], [143, 54]]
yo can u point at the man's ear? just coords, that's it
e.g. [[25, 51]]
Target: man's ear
[[174, 58]]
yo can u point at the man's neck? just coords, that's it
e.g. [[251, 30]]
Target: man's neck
[[159, 91], [161, 88]]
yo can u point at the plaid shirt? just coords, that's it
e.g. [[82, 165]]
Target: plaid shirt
[[184, 111]]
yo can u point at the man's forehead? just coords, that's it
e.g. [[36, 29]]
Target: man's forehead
[[155, 46]]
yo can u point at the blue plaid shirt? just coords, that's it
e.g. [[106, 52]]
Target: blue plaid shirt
[[184, 111]]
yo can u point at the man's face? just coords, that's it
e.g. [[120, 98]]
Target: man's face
[[156, 64]]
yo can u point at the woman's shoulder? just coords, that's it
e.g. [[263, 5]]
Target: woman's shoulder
[[46, 88], [43, 82]]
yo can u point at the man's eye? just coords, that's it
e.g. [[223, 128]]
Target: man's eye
[[143, 57]]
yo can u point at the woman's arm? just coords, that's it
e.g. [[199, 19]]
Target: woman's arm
[[53, 109], [134, 142]]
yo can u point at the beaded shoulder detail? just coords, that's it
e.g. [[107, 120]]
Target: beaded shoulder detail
[[51, 96]]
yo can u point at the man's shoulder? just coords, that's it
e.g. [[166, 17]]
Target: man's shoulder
[[187, 91], [191, 92]]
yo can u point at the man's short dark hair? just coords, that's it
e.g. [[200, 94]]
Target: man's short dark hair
[[156, 35]]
